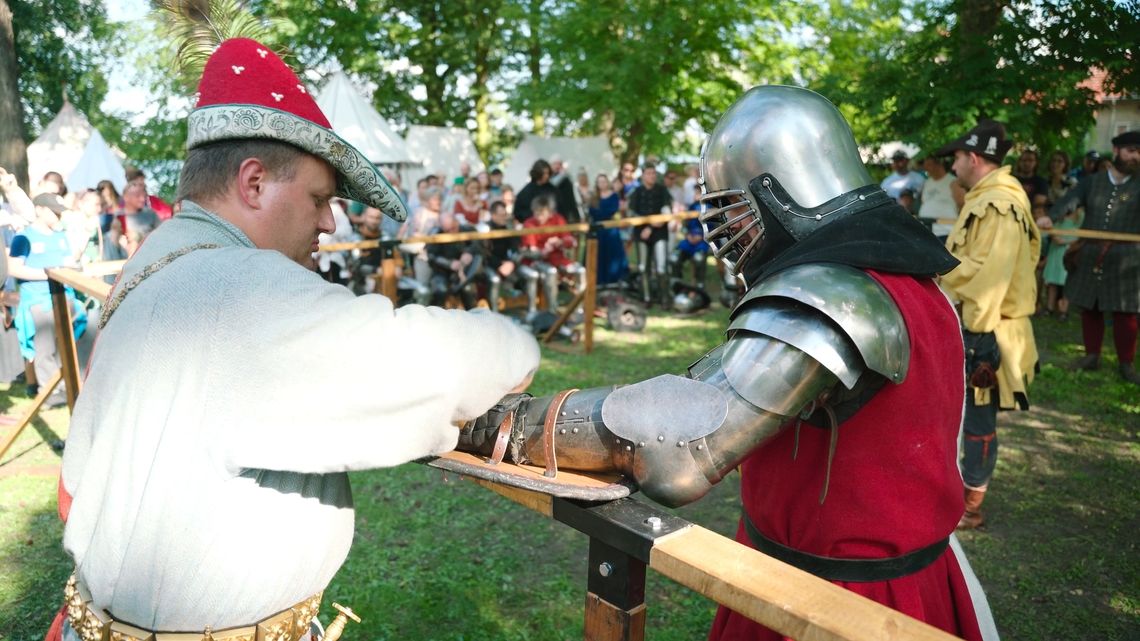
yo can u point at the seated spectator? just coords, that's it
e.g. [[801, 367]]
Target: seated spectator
[[137, 218], [691, 248], [503, 265], [42, 245], [549, 252], [470, 206], [421, 223], [454, 266], [159, 206]]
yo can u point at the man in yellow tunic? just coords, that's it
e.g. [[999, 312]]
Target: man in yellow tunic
[[995, 289]]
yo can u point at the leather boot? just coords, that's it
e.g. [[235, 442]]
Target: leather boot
[[1088, 363], [1128, 373], [972, 518]]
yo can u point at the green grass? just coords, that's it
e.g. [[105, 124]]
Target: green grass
[[439, 558]]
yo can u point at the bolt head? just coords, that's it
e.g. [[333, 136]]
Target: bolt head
[[605, 569]]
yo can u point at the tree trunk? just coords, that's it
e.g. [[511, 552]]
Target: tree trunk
[[13, 149], [979, 19], [534, 62]]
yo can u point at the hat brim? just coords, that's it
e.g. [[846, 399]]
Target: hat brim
[[357, 178]]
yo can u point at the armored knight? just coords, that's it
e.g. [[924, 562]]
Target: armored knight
[[837, 391]]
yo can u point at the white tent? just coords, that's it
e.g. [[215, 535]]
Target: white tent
[[357, 122], [592, 154], [441, 150], [71, 146], [97, 163]]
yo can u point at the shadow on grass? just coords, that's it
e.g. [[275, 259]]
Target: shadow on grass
[[33, 564]]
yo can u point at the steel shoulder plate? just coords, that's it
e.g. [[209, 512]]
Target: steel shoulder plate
[[851, 299]]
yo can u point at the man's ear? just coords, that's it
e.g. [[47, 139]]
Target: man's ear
[[252, 177]]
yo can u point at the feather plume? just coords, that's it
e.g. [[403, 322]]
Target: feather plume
[[195, 28]]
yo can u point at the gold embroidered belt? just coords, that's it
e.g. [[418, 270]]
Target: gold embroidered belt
[[91, 624]]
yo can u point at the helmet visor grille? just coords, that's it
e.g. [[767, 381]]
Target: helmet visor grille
[[731, 225]]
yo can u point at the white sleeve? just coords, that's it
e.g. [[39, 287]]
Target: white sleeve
[[320, 380]]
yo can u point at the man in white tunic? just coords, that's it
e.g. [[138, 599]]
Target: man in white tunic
[[232, 388]]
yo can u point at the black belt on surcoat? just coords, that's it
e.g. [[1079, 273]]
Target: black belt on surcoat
[[850, 570]]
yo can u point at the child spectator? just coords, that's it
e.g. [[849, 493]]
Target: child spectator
[[1055, 273], [691, 248]]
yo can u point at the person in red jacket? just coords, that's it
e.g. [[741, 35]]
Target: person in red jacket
[[551, 253]]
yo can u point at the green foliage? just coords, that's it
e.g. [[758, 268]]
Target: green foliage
[[60, 50], [950, 63], [639, 70]]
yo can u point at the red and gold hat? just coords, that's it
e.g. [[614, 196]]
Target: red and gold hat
[[247, 91]]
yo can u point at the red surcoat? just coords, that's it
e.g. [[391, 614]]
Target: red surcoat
[[895, 485]]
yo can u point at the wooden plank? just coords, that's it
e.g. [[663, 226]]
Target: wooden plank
[[1079, 233], [607, 622], [65, 342], [93, 286], [104, 267], [45, 390], [536, 501], [561, 320], [777, 595], [591, 292]]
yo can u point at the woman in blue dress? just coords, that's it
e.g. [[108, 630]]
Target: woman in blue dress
[[613, 266]]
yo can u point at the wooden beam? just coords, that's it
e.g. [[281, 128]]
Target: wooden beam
[[65, 341], [777, 595], [93, 286], [45, 390], [591, 292]]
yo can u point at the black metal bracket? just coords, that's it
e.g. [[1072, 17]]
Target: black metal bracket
[[627, 525]]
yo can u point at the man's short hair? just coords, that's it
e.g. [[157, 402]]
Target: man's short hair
[[211, 168], [542, 202], [496, 172], [134, 173], [497, 205], [649, 165], [134, 186]]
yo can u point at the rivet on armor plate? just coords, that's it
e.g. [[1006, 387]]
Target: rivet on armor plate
[[576, 412], [562, 431], [862, 197], [819, 216], [628, 448], [767, 183], [641, 444], [660, 438], [564, 412], [575, 430], [680, 444], [787, 207], [700, 447]]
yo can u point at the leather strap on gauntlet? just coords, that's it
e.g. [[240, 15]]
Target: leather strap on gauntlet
[[491, 433]]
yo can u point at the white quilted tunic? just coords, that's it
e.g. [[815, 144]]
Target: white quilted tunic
[[226, 399]]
